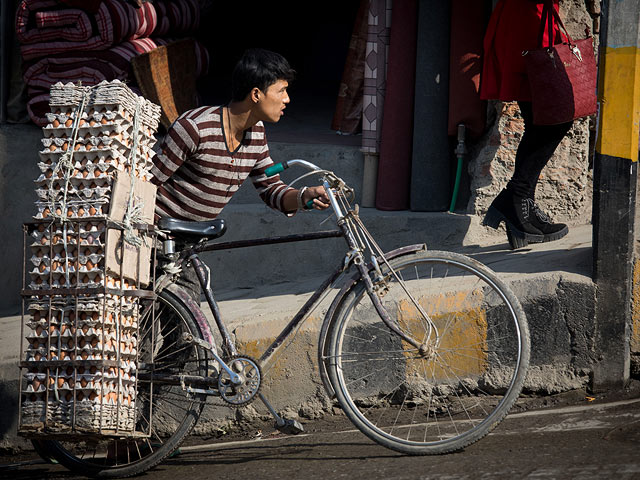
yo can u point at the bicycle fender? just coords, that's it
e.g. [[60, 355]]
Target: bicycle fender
[[337, 302], [198, 314]]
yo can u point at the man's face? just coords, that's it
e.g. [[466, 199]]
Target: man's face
[[274, 101]]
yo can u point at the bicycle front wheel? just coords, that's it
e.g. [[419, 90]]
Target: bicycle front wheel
[[460, 384], [165, 411]]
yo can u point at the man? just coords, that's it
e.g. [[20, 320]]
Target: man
[[209, 151]]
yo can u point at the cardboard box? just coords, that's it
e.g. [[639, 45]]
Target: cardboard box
[[122, 258]]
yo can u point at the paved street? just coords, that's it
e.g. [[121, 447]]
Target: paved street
[[587, 437]]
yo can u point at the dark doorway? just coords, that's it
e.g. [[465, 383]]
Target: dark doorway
[[314, 37]]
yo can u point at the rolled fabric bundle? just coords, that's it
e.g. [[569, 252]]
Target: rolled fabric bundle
[[147, 20], [44, 28], [176, 17], [90, 68]]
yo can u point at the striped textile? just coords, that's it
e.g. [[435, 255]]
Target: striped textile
[[196, 174], [177, 17], [45, 27], [90, 68]]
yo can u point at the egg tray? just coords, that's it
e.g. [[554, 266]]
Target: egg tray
[[61, 315], [103, 386], [112, 96], [89, 312], [89, 186], [88, 166], [107, 161], [122, 145], [85, 260], [80, 192], [96, 344], [74, 209], [40, 418], [95, 124], [66, 276], [90, 233]]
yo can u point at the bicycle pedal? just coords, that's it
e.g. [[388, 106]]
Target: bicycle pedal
[[290, 427]]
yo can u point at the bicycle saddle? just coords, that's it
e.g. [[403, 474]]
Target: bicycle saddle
[[210, 229]]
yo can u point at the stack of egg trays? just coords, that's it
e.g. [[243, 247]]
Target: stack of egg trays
[[80, 364], [81, 350], [81, 331], [103, 145]]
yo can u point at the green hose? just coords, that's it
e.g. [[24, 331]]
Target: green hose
[[461, 150], [456, 185]]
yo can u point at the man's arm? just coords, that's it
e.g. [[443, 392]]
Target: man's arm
[[179, 143]]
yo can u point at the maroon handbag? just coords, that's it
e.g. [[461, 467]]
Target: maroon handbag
[[562, 77]]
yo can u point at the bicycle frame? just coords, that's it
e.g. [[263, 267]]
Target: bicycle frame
[[357, 239]]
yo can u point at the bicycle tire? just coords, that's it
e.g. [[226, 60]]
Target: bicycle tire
[[174, 413], [461, 387]]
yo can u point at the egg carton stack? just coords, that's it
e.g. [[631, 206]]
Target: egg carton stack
[[92, 135], [82, 324], [81, 366]]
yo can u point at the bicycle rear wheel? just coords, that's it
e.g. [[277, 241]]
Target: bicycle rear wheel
[[166, 411], [460, 386]]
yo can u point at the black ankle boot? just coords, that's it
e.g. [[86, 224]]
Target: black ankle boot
[[517, 214], [550, 231]]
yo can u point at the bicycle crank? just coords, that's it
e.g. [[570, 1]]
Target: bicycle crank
[[241, 386]]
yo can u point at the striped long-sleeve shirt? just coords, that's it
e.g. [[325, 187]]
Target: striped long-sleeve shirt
[[197, 175]]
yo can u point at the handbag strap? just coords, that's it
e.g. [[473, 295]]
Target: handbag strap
[[549, 14]]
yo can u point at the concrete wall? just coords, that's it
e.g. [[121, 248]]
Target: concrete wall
[[19, 145]]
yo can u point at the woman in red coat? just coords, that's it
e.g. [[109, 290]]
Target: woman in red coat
[[513, 28]]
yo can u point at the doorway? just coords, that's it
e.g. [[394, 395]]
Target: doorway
[[313, 37]]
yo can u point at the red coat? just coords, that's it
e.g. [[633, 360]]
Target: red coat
[[514, 27]]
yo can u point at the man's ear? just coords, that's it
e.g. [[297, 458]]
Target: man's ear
[[255, 95]]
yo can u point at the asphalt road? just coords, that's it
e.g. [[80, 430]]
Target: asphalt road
[[587, 439]]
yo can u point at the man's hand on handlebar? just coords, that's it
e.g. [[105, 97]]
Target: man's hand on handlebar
[[318, 195]]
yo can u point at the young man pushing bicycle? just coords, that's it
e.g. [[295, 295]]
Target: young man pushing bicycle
[[208, 152]]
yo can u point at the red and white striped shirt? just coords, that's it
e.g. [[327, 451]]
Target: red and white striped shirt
[[197, 175]]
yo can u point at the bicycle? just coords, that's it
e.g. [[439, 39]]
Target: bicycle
[[424, 351]]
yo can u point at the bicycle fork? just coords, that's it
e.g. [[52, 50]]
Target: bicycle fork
[[350, 225]]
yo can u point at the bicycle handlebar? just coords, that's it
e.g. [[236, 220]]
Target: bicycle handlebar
[[276, 168], [279, 167]]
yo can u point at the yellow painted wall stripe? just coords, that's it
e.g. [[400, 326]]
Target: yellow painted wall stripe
[[619, 102]]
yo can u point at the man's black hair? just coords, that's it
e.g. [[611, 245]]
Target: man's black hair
[[259, 68]]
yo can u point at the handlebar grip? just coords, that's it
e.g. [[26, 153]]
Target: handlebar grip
[[275, 169]]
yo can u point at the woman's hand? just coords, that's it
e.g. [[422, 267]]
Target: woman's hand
[[318, 195]]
